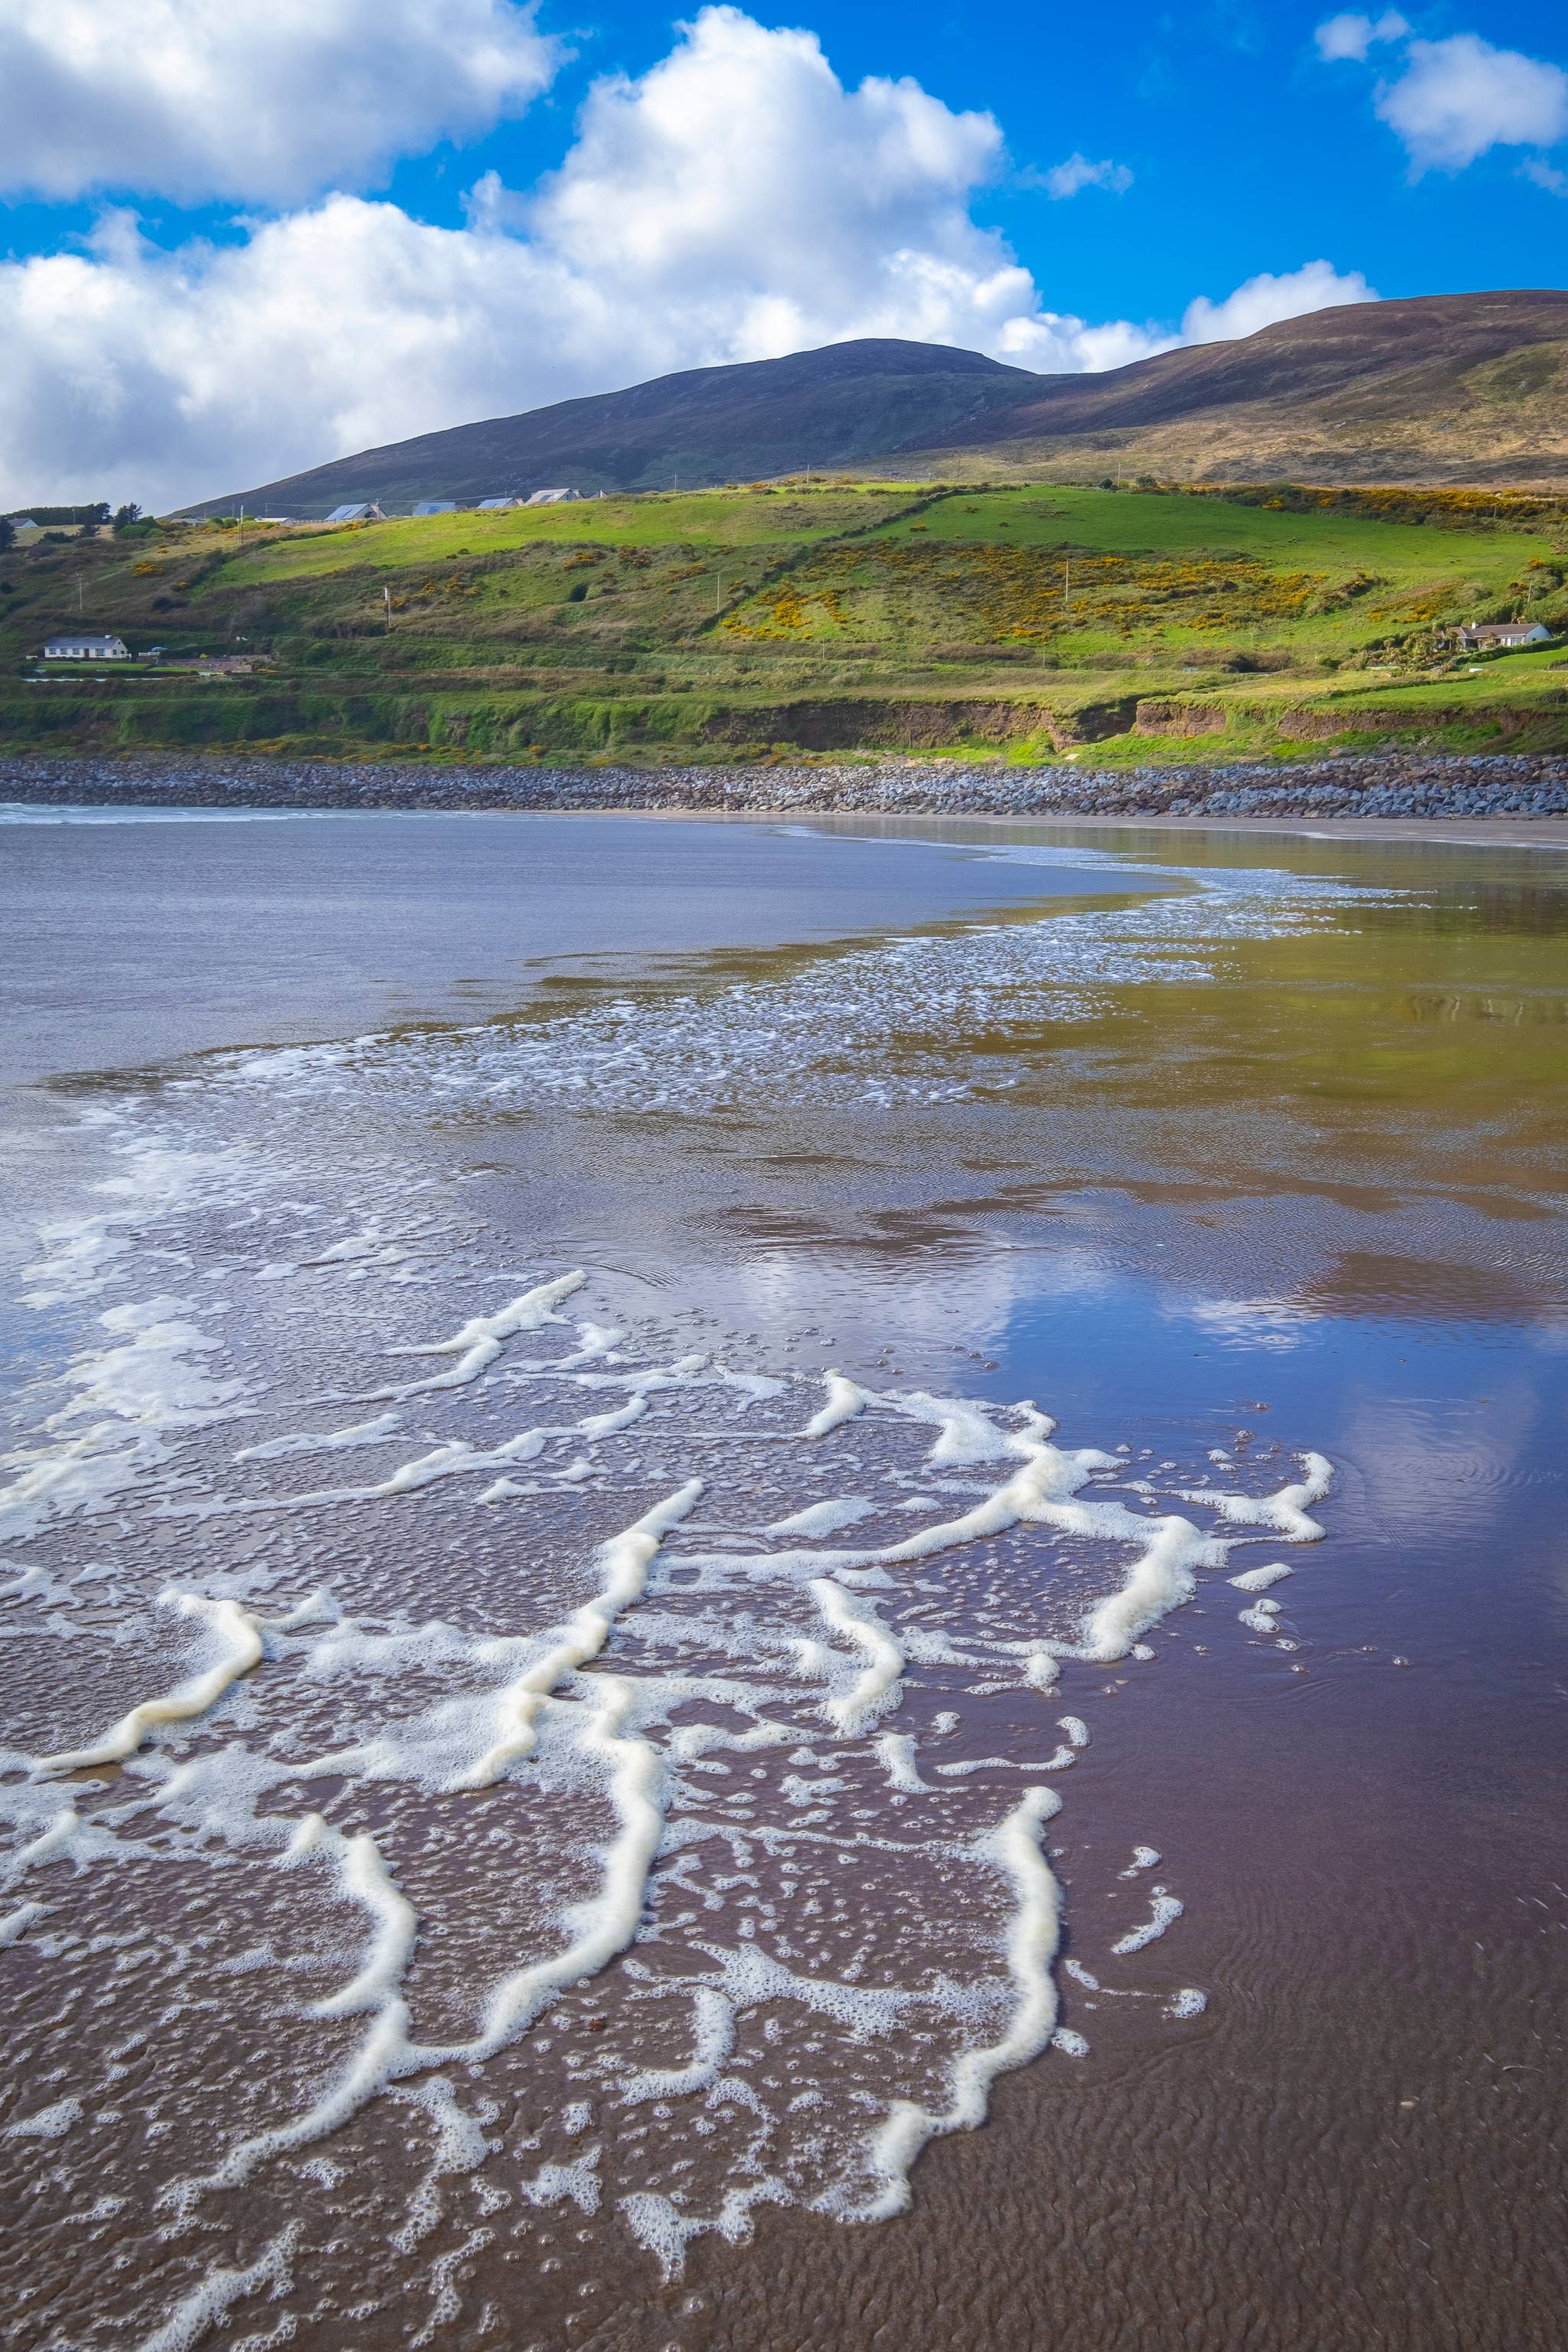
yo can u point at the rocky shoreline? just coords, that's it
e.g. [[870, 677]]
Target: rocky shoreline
[[1394, 785]]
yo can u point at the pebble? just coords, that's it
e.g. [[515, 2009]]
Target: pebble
[[1391, 785]]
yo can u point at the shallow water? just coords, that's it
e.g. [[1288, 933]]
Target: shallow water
[[552, 1812]]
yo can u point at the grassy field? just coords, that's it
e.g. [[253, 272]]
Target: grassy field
[[1030, 622]]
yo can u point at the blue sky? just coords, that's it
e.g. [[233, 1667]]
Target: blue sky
[[1248, 151], [243, 236]]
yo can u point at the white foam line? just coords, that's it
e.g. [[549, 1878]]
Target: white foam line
[[606, 1424], [1157, 1582], [1144, 1858], [15, 1924], [1043, 1491], [1062, 1761], [713, 2032], [666, 2231], [364, 1879], [481, 1340], [235, 1625], [823, 1519], [1032, 1937], [379, 1431], [454, 1459], [624, 1561], [1286, 1512], [605, 1924], [897, 1752], [1259, 1579], [1166, 1908], [875, 1691], [966, 1432], [845, 1400], [219, 2292]]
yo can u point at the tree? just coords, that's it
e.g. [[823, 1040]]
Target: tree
[[125, 516], [7, 533]]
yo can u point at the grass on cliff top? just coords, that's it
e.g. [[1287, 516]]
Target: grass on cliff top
[[1109, 581], [718, 519], [1124, 522]]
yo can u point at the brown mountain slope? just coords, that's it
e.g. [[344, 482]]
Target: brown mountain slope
[[848, 405], [1452, 387]]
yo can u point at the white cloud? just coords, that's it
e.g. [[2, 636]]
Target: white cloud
[[1078, 173], [735, 203], [1265, 301], [1545, 176], [1457, 98], [253, 101], [1352, 36]]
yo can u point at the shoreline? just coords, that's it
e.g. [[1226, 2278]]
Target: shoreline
[[1401, 789]]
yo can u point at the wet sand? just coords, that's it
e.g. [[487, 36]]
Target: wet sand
[[584, 1909]]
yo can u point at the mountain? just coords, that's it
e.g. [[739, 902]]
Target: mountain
[[843, 407], [1452, 387], [1446, 388]]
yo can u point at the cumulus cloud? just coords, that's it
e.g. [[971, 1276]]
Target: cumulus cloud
[[262, 101], [1265, 301], [1459, 98], [736, 202], [1078, 173], [1352, 36]]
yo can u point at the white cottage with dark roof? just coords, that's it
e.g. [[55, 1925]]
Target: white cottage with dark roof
[[85, 645]]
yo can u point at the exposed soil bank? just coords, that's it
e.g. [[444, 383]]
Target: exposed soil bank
[[1385, 787]]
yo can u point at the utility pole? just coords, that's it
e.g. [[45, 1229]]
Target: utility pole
[[386, 594], [1066, 585], [78, 603]]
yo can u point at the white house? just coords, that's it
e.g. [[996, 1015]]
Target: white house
[[549, 498], [361, 510], [1503, 636], [81, 645], [435, 506]]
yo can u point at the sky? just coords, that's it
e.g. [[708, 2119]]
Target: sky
[[238, 238]]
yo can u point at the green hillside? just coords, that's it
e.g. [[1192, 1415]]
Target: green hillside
[[1032, 620]]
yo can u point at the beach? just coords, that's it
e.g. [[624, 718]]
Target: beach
[[777, 1576]]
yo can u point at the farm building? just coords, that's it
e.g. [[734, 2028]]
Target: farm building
[[364, 510], [495, 506], [548, 498], [1501, 637], [435, 507], [81, 645]]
